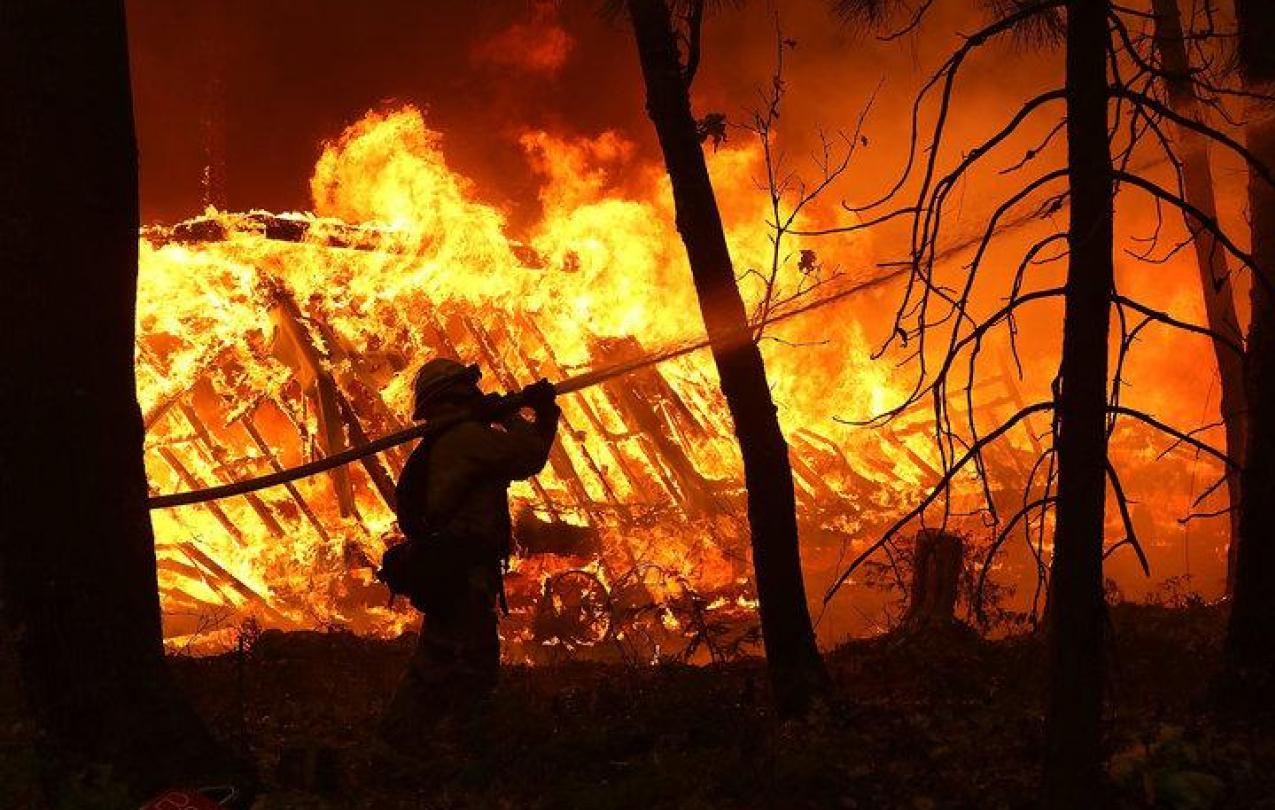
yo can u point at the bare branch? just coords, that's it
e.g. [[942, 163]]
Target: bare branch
[[1208, 223], [1184, 438], [1254, 163], [1131, 536], [1165, 318], [935, 491]]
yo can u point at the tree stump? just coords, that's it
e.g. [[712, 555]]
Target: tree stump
[[936, 572]]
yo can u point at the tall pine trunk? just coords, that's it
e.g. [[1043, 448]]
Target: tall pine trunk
[[1219, 294], [1251, 634], [77, 561], [796, 669], [1073, 759]]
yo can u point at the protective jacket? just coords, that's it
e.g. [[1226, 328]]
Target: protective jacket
[[457, 482], [455, 485]]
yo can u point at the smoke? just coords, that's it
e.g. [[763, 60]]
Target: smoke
[[538, 46]]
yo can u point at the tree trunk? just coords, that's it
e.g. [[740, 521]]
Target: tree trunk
[[796, 671], [937, 560], [1073, 772], [1251, 634], [77, 560], [1219, 295]]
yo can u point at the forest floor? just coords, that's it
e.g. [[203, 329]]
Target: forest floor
[[956, 723]]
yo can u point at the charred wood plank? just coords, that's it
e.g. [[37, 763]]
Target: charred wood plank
[[221, 227], [356, 386], [586, 407], [193, 482], [376, 471], [535, 536], [898, 443], [201, 558], [630, 397], [295, 347], [277, 466], [217, 455], [566, 429], [562, 467], [813, 442]]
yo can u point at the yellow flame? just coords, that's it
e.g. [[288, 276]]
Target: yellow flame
[[397, 249]]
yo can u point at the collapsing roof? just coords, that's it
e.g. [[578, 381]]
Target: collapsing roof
[[632, 542]]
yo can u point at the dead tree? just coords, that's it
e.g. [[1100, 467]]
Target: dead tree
[[1215, 277], [77, 561], [1251, 634], [790, 195], [796, 669]]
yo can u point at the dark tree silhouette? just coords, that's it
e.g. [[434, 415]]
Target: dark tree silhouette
[[1251, 633], [77, 561], [1215, 277], [1073, 733], [796, 669], [1077, 461]]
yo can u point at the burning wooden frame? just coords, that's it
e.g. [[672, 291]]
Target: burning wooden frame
[[631, 543]]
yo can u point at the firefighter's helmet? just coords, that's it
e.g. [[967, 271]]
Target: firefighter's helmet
[[436, 376]]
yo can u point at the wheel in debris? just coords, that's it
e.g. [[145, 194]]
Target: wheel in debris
[[574, 610]]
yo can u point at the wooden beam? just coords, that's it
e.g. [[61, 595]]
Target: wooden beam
[[246, 422], [193, 482]]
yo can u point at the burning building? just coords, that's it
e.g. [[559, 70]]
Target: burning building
[[267, 340]]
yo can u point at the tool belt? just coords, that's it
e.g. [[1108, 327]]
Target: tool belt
[[433, 570], [433, 566], [421, 568]]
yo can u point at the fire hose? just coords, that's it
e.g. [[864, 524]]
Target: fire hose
[[494, 405]]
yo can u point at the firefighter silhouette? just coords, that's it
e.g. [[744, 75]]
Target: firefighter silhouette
[[453, 493]]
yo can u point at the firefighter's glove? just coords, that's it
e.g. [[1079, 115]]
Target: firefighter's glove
[[494, 406], [539, 395]]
